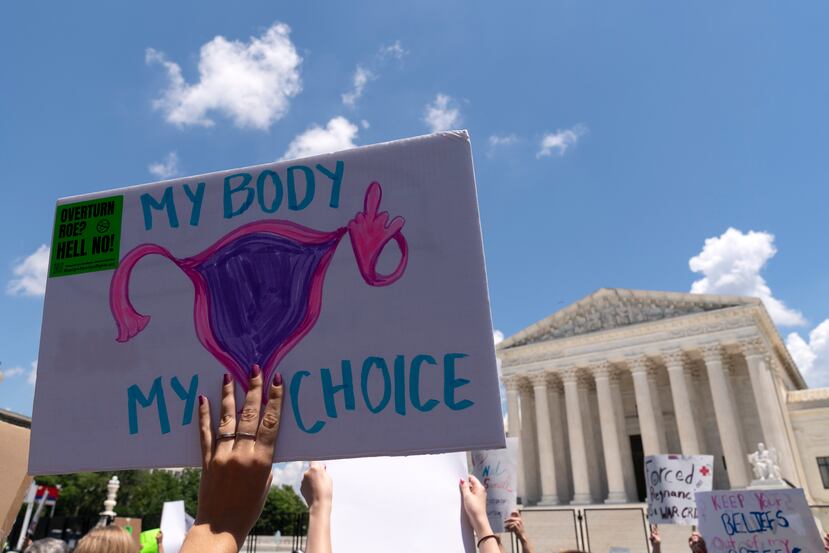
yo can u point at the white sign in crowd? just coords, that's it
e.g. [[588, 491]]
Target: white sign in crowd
[[497, 469], [672, 481], [359, 276], [746, 521]]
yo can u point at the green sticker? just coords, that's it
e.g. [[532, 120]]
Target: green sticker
[[87, 237]]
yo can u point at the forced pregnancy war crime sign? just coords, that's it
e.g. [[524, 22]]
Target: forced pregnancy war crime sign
[[758, 521], [359, 276], [672, 481]]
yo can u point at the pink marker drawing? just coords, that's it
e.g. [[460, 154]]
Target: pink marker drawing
[[258, 289]]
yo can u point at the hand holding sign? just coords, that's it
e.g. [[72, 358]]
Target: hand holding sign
[[236, 465]]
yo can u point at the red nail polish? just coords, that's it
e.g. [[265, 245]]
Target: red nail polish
[[202, 400], [255, 371], [277, 379], [226, 379], [461, 481]]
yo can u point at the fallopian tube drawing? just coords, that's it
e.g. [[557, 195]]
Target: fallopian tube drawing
[[258, 289]]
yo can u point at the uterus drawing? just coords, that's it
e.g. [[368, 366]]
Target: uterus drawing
[[258, 289]]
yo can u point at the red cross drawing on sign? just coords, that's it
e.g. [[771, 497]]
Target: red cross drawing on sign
[[704, 471]]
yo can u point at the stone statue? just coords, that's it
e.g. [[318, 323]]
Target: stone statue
[[764, 463]]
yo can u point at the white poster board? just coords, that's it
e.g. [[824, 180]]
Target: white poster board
[[358, 275], [401, 504], [672, 481], [757, 520], [497, 469], [173, 526]]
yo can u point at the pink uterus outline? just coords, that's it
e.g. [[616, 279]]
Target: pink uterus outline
[[241, 266]]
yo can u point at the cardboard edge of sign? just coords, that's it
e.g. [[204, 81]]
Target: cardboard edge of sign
[[35, 470], [460, 134]]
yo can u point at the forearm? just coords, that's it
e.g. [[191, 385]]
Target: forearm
[[319, 529], [526, 545], [482, 528], [201, 539], [657, 548]]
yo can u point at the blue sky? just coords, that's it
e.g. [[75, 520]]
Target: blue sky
[[611, 140]]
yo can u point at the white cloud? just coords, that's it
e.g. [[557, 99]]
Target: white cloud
[[442, 114], [165, 169], [10, 373], [13, 372], [731, 264], [506, 140], [338, 134], [394, 50], [32, 378], [812, 357], [364, 74], [359, 81], [250, 82], [557, 143], [288, 473], [30, 274]]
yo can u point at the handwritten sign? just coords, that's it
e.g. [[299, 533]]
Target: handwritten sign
[[359, 276], [428, 518], [672, 481], [773, 521], [497, 469]]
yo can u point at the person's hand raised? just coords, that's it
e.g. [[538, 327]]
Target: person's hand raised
[[236, 465], [654, 537], [696, 544], [474, 503], [317, 487], [515, 524]]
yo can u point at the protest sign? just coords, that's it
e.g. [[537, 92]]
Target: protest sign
[[672, 481], [413, 505], [149, 542], [132, 527], [13, 478], [497, 469], [359, 276], [173, 526], [757, 520]]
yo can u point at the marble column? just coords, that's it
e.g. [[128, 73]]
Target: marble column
[[514, 426], [685, 422], [529, 445], [546, 459], [644, 405], [555, 400], [658, 413], [624, 438], [578, 450], [610, 436], [772, 424], [726, 414]]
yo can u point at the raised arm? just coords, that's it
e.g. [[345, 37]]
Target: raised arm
[[318, 490], [515, 524], [474, 504], [236, 466]]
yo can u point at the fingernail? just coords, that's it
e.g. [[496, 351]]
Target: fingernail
[[202, 400], [277, 379], [226, 379], [461, 481], [256, 371]]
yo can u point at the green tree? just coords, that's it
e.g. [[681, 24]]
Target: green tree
[[281, 508]]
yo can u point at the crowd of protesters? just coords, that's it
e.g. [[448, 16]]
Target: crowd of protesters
[[236, 475]]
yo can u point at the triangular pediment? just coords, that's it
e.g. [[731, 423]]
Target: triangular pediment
[[609, 308]]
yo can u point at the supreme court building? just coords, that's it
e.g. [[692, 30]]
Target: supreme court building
[[622, 374]]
